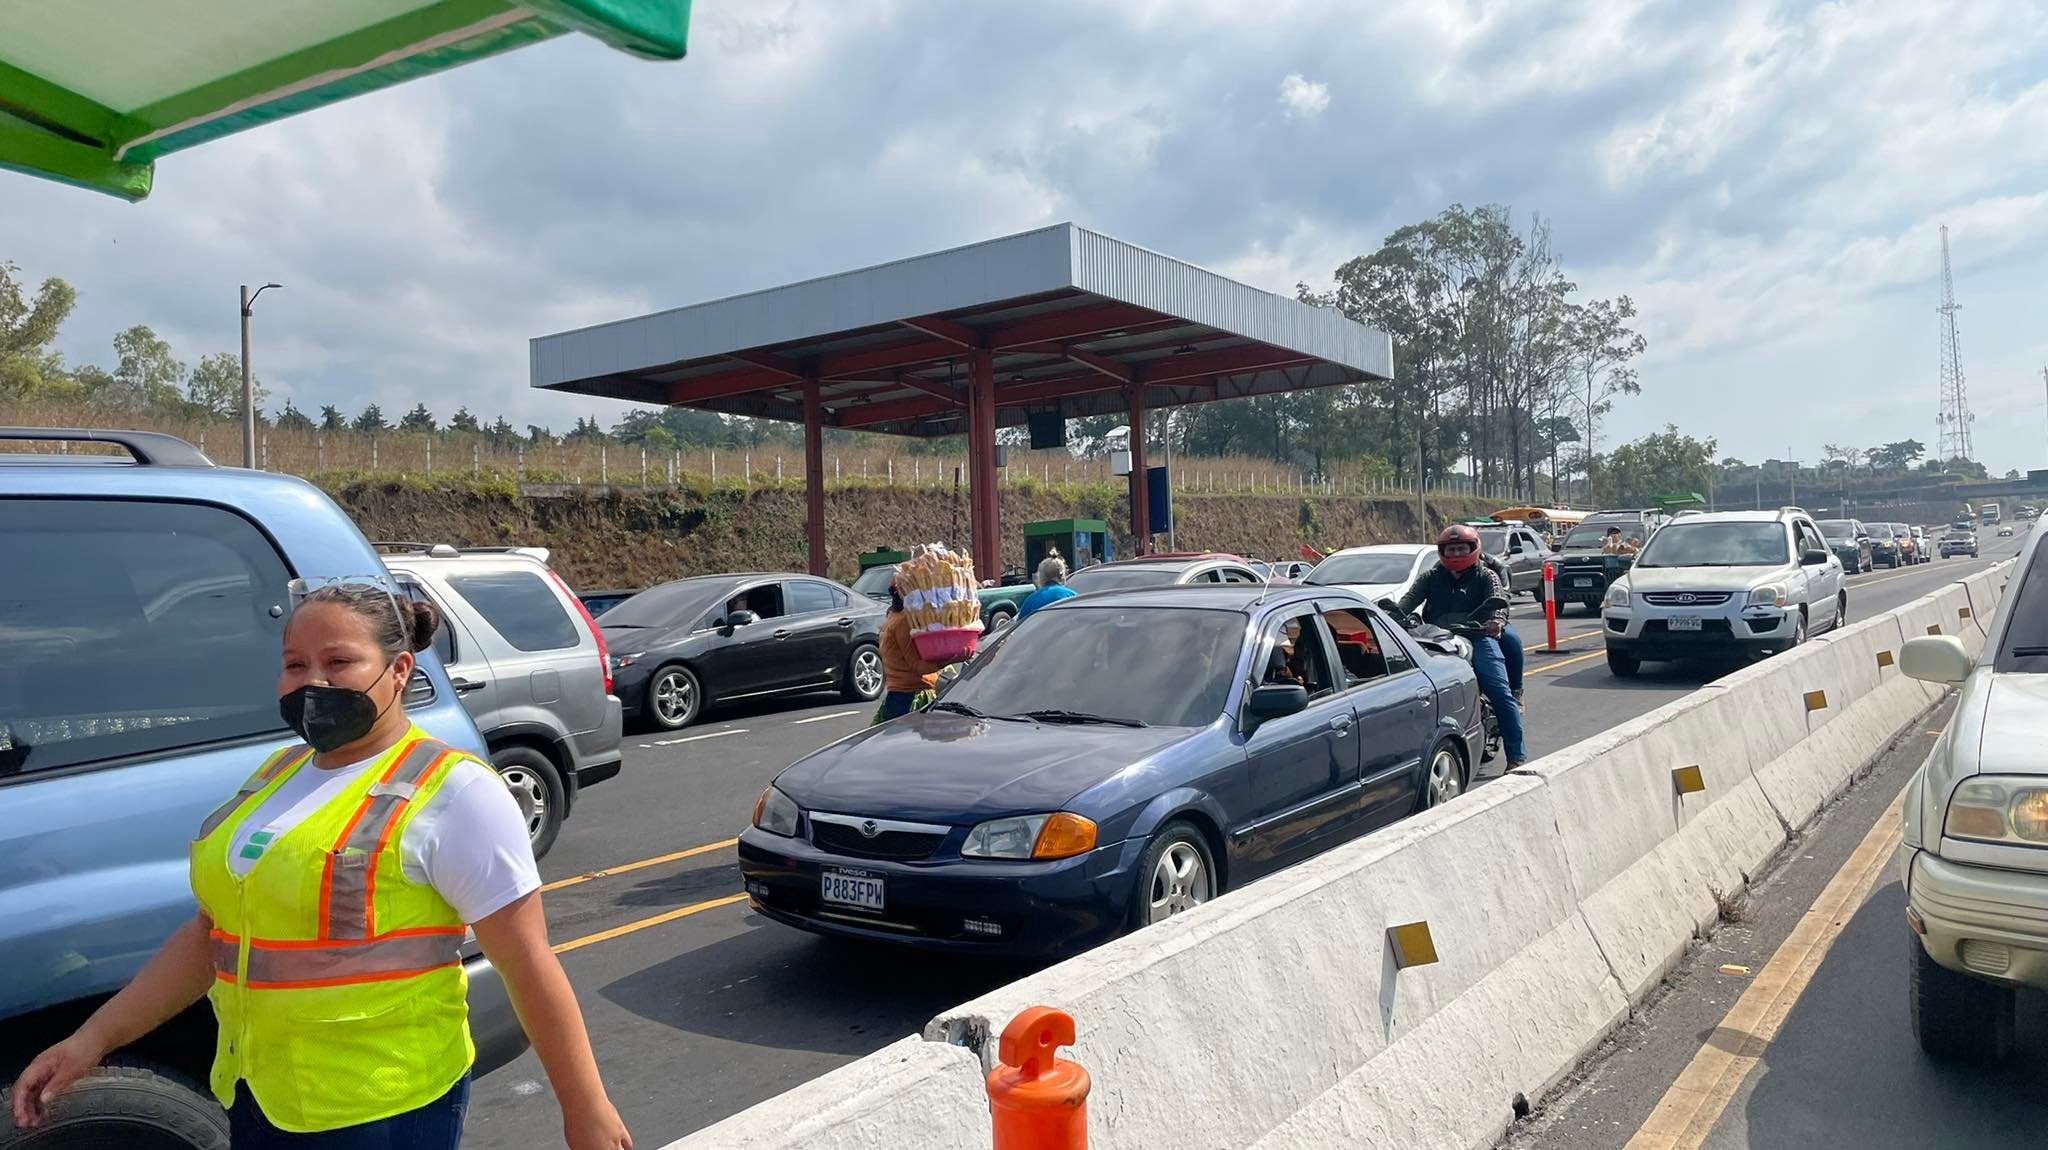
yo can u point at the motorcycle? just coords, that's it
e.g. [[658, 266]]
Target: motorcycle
[[1454, 635]]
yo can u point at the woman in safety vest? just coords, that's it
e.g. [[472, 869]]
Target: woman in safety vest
[[334, 890]]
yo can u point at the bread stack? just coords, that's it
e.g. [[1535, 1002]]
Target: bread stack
[[938, 590]]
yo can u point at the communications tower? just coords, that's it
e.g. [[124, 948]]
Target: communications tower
[[1955, 417]]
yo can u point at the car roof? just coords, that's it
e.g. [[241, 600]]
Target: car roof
[[1738, 517], [1170, 558], [1244, 597]]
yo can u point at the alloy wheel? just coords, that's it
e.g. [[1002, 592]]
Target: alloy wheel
[[1446, 778], [867, 672], [531, 793], [1180, 881], [675, 698]]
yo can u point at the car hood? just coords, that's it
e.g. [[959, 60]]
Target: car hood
[[2015, 712], [1642, 578], [946, 768]]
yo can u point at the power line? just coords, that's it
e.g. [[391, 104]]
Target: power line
[[1955, 418]]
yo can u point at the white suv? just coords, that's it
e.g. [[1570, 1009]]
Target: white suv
[[1749, 583]]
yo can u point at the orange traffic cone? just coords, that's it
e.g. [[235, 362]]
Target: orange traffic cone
[[1040, 1101]]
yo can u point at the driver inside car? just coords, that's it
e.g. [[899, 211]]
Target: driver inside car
[[1458, 587]]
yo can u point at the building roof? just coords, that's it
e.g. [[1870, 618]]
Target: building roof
[[1071, 318]]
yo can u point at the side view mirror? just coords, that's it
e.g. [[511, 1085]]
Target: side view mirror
[[1515, 547], [1813, 557], [741, 619], [1277, 700], [1935, 659]]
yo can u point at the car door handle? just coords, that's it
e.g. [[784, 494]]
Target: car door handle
[[1419, 697], [464, 686], [1341, 727], [782, 634], [846, 622]]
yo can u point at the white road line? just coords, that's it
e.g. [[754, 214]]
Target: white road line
[[822, 718], [698, 738]]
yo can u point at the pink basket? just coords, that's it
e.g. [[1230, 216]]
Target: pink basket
[[956, 645]]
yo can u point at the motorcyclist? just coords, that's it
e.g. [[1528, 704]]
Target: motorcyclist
[[1510, 639], [1458, 585]]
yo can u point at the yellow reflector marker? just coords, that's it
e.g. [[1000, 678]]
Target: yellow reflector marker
[[1688, 780], [1412, 945], [1884, 658], [1064, 836], [1815, 700], [1962, 612], [1934, 628]]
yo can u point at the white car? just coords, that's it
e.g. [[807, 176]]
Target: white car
[[1974, 857], [1749, 583], [2004, 530], [1382, 571]]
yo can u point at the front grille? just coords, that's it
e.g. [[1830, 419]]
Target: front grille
[[1709, 628], [903, 846], [1686, 598]]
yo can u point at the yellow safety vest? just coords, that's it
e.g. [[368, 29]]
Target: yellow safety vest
[[338, 985]]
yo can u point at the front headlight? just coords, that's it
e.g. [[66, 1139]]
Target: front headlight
[[1051, 836], [776, 813], [1772, 596], [1617, 595], [1999, 810]]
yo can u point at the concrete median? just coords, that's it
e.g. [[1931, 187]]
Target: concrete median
[[910, 1093]]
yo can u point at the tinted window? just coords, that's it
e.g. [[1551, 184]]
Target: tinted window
[[133, 627], [444, 636], [1114, 577], [806, 598], [1106, 661], [874, 582], [1716, 545], [1880, 530], [520, 606], [1588, 535], [1843, 530]]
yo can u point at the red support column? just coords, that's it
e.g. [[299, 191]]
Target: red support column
[[985, 519], [1141, 513], [814, 473]]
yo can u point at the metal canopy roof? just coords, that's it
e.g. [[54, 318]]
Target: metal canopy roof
[[1071, 316]]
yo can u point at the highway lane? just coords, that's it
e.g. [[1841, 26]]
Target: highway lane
[[699, 1008]]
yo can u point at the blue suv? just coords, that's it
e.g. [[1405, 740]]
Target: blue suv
[[142, 607]]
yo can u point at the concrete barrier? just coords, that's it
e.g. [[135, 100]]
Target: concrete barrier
[[1279, 1015]]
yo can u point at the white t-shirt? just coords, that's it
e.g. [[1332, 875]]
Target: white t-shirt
[[469, 842]]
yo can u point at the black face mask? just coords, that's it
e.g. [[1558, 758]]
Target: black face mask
[[329, 718]]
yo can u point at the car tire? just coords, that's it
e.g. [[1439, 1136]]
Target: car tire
[[1957, 1018], [1623, 664], [674, 698], [125, 1104], [1177, 872], [864, 678], [1841, 610], [998, 616], [1444, 777], [537, 786]]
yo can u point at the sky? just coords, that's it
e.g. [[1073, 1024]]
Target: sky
[[1765, 180]]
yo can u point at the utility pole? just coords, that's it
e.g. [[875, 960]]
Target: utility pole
[[248, 384]]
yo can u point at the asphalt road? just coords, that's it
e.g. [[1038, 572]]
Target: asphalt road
[[698, 1008]]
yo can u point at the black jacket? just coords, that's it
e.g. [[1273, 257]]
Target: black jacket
[[1441, 592]]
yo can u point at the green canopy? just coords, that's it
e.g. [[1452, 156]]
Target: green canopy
[[93, 91]]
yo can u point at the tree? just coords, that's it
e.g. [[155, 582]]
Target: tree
[[462, 420], [586, 431], [146, 374], [1636, 474], [502, 431], [371, 420], [331, 418], [538, 436], [215, 387], [28, 369], [1897, 456], [418, 419], [292, 419], [659, 440]]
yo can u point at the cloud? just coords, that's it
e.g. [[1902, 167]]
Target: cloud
[[1303, 99]]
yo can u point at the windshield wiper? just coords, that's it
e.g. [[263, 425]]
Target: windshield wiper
[[972, 713], [1055, 715]]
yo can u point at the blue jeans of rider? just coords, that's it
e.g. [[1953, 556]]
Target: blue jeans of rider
[[1492, 669], [1511, 648]]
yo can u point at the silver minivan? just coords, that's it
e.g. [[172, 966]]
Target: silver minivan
[[530, 667]]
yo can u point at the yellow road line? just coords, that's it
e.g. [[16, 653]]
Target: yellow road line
[[633, 866], [1563, 663], [1686, 1115], [643, 924]]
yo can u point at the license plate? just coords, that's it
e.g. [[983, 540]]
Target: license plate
[[1684, 623], [851, 888], [1585, 582]]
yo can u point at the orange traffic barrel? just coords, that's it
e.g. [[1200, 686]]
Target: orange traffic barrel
[[1039, 1100]]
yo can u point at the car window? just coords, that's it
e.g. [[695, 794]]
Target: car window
[[444, 635], [1117, 577], [520, 607], [806, 598], [1237, 575], [1361, 652], [765, 601], [1106, 660], [2024, 648], [1292, 652], [1391, 649], [874, 582], [133, 628], [1809, 539]]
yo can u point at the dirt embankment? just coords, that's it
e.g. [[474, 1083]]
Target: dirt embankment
[[606, 538]]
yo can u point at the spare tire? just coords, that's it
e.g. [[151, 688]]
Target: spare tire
[[130, 1107]]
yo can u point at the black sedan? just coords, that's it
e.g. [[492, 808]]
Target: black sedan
[[1113, 760], [716, 638]]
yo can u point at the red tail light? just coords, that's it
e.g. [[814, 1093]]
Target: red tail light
[[604, 651]]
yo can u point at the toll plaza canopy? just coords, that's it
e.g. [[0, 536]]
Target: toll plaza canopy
[[1058, 321], [93, 91]]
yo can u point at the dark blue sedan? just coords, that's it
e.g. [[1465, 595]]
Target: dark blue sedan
[[1111, 761]]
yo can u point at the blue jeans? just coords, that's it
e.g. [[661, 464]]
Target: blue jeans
[[435, 1126], [1511, 647], [896, 704], [1492, 669]]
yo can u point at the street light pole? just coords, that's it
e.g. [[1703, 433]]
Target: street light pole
[[248, 383]]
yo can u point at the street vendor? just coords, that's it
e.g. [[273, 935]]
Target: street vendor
[[905, 673]]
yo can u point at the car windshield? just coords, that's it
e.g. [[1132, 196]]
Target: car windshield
[[2024, 648], [1375, 567], [1717, 545], [1105, 660], [1493, 541], [1118, 576], [1839, 530], [669, 604], [1588, 535], [1880, 531], [874, 582]]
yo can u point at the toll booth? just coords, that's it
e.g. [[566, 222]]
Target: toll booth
[[1081, 542], [882, 557]]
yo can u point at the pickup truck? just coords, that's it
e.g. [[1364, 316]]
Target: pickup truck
[[1584, 569], [998, 604]]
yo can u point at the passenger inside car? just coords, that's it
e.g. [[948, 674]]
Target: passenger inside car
[[1357, 648], [1296, 658], [764, 602]]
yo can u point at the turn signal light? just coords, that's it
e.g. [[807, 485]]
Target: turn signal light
[[1064, 836]]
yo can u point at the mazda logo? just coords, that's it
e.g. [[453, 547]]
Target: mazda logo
[[869, 830], [1688, 597]]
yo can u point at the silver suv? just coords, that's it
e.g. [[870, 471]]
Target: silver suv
[[1746, 583], [530, 667]]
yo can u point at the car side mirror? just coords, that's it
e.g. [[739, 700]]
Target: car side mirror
[[1515, 548], [1935, 659], [741, 619], [1277, 700], [1813, 557]]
